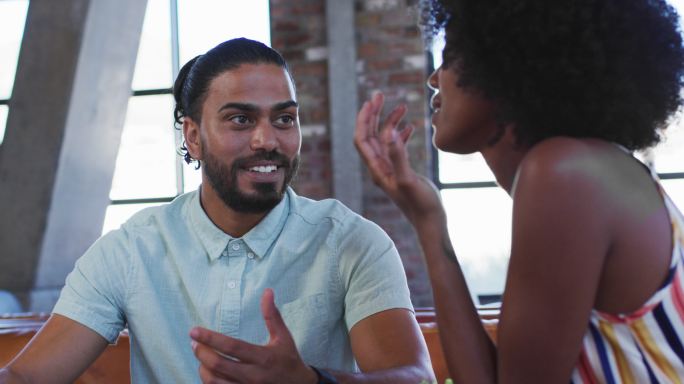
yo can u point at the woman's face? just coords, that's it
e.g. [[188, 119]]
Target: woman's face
[[463, 120]]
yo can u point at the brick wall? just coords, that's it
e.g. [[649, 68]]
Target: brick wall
[[298, 33], [391, 58]]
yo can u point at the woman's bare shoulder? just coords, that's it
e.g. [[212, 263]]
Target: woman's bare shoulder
[[566, 162]]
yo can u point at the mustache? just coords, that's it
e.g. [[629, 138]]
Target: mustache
[[274, 156]]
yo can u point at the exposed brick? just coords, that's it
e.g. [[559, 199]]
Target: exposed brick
[[368, 19], [284, 26], [380, 5], [405, 77], [389, 58], [383, 64], [311, 69]]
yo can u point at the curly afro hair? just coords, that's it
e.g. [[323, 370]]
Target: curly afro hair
[[609, 69]]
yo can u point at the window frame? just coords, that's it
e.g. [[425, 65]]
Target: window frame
[[178, 137]]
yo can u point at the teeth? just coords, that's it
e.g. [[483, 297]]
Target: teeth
[[264, 168]]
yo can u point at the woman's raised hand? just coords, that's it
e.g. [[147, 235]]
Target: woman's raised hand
[[382, 147]]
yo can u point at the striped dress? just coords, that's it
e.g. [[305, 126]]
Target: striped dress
[[646, 346]]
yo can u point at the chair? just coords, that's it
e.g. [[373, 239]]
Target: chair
[[111, 367], [428, 325]]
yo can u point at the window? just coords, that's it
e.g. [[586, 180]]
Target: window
[[479, 213], [12, 20], [148, 169]]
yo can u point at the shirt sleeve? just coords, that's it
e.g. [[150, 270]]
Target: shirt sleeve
[[371, 271], [94, 292]]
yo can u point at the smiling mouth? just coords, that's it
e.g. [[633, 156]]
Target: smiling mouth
[[263, 169]]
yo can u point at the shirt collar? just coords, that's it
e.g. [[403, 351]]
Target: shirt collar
[[259, 239]]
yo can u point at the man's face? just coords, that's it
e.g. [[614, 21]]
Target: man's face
[[249, 136]]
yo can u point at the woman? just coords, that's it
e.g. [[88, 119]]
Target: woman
[[554, 95]]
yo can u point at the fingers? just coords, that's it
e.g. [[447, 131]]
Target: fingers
[[394, 118], [382, 150], [368, 117], [224, 359], [225, 345], [366, 139], [389, 129], [398, 153], [214, 368], [274, 321], [208, 376], [363, 122], [406, 133], [377, 101]]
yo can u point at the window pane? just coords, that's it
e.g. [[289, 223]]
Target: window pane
[[675, 189], [480, 230], [145, 166], [153, 66], [12, 20], [3, 121], [118, 214], [202, 24], [455, 168], [668, 155]]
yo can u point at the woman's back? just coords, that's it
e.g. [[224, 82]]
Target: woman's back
[[638, 222], [590, 232], [628, 342]]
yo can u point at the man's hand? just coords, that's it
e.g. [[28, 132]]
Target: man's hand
[[383, 148], [224, 359]]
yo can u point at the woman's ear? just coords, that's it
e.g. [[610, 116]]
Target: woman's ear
[[191, 133]]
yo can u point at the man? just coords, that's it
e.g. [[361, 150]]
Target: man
[[270, 286]]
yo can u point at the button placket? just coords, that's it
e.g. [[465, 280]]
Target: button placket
[[230, 307]]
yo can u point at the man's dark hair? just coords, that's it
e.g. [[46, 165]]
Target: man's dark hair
[[609, 69], [192, 83]]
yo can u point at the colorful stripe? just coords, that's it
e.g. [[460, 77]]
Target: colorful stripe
[[678, 296], [643, 334], [669, 332], [584, 369], [624, 373], [649, 371], [602, 354]]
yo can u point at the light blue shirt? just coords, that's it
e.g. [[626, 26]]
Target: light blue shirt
[[169, 268]]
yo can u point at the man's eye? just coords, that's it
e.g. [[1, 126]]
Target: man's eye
[[239, 119], [285, 120]]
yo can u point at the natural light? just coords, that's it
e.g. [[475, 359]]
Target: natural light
[[147, 166]]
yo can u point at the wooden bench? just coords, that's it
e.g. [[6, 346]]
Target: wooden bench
[[113, 366], [428, 325]]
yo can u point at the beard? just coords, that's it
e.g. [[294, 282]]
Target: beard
[[224, 179]]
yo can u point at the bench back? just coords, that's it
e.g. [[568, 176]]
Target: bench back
[[111, 367]]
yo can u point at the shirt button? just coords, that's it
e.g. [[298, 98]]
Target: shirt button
[[232, 284], [250, 255], [235, 247]]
